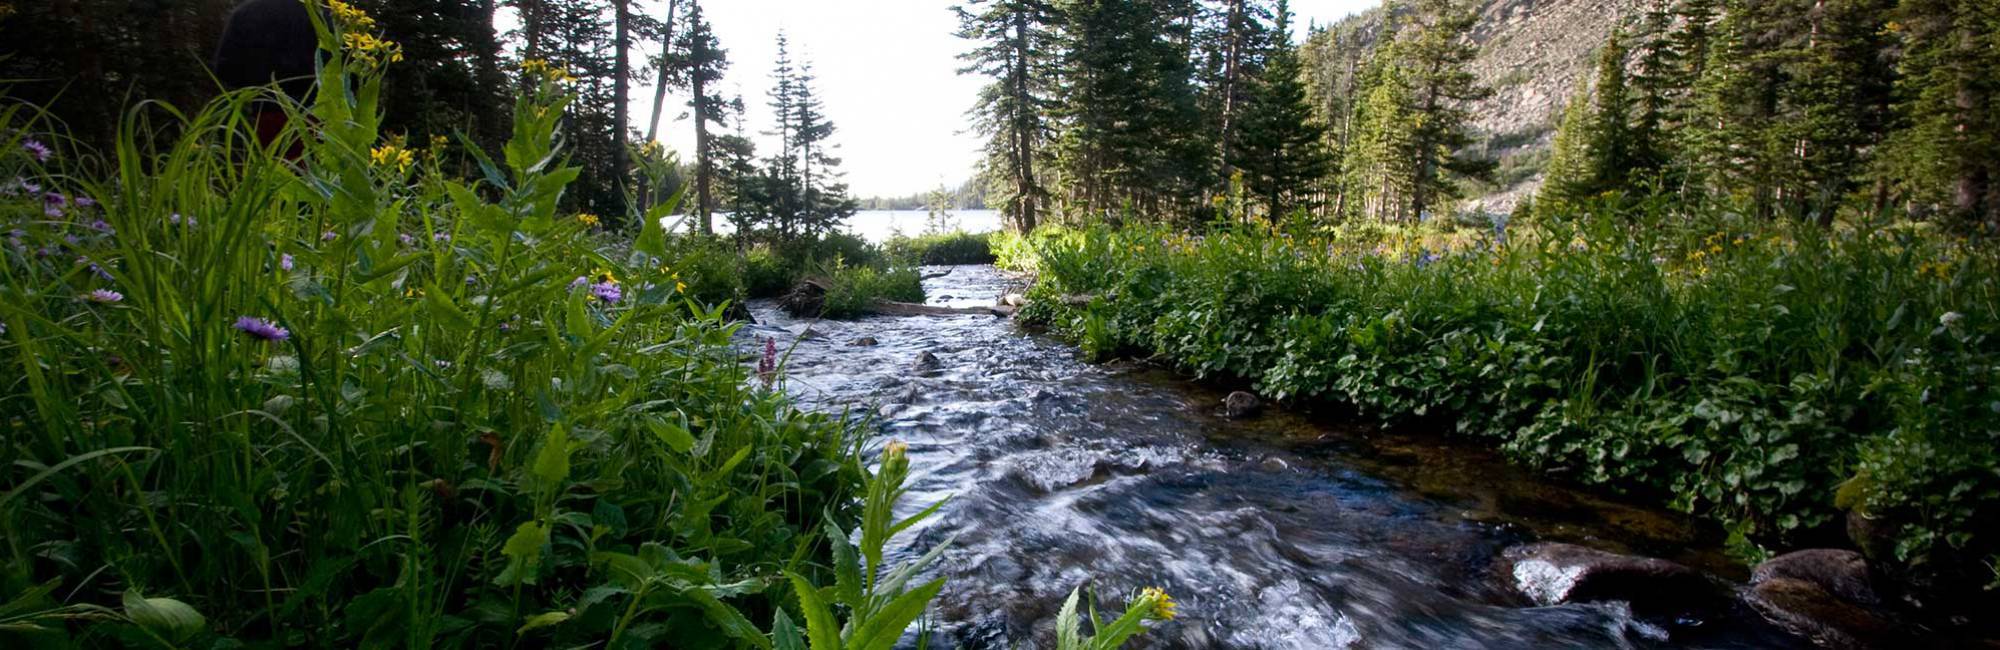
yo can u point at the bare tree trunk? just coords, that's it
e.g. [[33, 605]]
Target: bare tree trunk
[[666, 59], [621, 90]]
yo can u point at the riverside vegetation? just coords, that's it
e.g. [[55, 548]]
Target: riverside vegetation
[[347, 399], [1778, 378]]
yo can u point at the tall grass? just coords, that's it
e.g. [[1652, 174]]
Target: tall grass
[[345, 399], [350, 400], [1774, 376]]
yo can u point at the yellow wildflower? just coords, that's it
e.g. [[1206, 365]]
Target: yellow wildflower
[[588, 219], [681, 287], [604, 276], [895, 448], [413, 293], [543, 69], [365, 47], [349, 16], [393, 155], [1160, 604]]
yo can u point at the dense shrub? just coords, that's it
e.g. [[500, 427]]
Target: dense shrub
[[951, 248], [1768, 375], [854, 289]]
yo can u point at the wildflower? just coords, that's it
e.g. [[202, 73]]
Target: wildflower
[[350, 16], [53, 204], [371, 50], [83, 201], [104, 296], [285, 261], [261, 329], [767, 365], [389, 155], [40, 151], [604, 276], [1160, 605], [607, 292], [103, 226], [406, 239], [441, 237], [413, 293], [176, 219], [579, 282], [544, 70], [1951, 319], [328, 236], [588, 220], [895, 450], [680, 287]]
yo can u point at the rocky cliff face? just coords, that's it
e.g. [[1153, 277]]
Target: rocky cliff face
[[1532, 52]]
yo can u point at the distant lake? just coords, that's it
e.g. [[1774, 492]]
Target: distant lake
[[878, 225]]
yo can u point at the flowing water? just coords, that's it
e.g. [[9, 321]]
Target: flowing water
[[1281, 531]]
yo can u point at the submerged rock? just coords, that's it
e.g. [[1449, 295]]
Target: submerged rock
[[1826, 595], [927, 363], [1553, 573], [865, 341], [1241, 404]]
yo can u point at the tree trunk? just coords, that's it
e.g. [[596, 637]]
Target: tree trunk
[[621, 90], [531, 23], [666, 59], [1232, 69]]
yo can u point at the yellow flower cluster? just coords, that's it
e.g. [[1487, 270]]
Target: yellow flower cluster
[[1940, 270], [545, 70], [393, 155], [588, 220], [604, 276], [368, 49], [1161, 605], [350, 17]]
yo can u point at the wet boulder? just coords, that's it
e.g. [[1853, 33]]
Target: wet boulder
[[1825, 595], [865, 341], [1241, 404], [926, 363], [1013, 300], [1554, 573]]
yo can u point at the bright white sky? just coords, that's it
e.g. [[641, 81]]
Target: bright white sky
[[888, 70]]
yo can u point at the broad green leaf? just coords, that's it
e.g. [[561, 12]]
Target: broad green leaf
[[820, 628], [524, 554], [674, 436], [169, 618], [542, 620], [731, 621], [882, 630], [552, 461], [784, 634]]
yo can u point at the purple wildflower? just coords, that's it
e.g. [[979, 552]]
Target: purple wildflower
[[328, 236], [262, 329], [579, 282], [103, 226], [177, 220], [406, 239], [53, 204], [84, 201], [607, 292], [104, 296], [40, 151], [767, 365], [441, 236], [285, 261]]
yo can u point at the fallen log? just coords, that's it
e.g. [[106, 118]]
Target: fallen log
[[893, 308]]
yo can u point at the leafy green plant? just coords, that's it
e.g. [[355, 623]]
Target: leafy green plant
[[1769, 375]]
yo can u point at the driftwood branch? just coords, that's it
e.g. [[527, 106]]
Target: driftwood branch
[[893, 308]]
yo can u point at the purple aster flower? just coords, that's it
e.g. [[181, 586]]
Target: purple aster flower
[[262, 329], [328, 236], [767, 365], [580, 281], [84, 201], [40, 151], [103, 226], [72, 240], [104, 296], [607, 292], [406, 239], [285, 261], [440, 236], [53, 204]]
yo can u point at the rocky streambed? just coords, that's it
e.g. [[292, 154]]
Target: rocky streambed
[[1273, 530]]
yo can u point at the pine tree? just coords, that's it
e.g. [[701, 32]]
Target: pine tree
[[823, 198], [1015, 50], [1129, 138], [1282, 150], [1948, 160], [1653, 88], [1414, 124], [782, 194], [1565, 182], [706, 61]]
